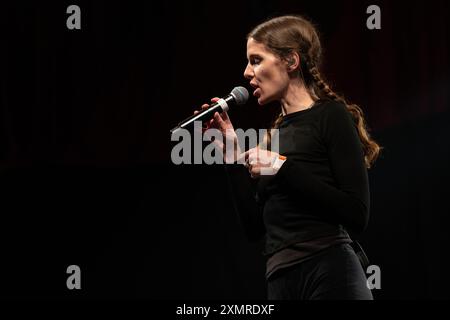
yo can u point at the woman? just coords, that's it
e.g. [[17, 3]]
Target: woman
[[318, 191]]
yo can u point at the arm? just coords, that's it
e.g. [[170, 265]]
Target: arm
[[244, 196], [348, 203], [245, 201]]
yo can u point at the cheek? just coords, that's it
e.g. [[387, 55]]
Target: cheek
[[271, 80], [265, 75]]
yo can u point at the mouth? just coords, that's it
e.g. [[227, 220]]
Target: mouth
[[257, 93]]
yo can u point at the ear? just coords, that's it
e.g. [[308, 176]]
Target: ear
[[293, 61]]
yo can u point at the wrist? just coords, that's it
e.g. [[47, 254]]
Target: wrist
[[231, 149]]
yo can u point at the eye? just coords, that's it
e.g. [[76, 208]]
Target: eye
[[255, 60]]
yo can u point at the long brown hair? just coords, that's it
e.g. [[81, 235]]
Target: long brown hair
[[287, 34]]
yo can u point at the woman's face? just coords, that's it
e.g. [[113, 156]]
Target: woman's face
[[267, 73]]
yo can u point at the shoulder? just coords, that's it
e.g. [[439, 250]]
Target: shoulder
[[332, 108], [332, 112], [335, 120]]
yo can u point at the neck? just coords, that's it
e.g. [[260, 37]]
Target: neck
[[296, 98]]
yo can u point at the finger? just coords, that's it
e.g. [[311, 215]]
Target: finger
[[255, 171], [205, 128], [253, 160], [253, 152], [212, 124], [268, 158], [225, 116], [203, 107], [243, 157], [219, 119], [215, 99]]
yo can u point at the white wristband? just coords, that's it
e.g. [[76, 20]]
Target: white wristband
[[278, 162]]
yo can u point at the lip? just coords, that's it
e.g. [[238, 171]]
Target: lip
[[257, 92]]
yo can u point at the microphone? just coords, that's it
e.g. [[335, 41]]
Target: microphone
[[238, 96]]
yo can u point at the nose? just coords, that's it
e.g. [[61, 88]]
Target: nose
[[248, 73]]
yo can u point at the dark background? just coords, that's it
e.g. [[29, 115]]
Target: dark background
[[85, 170]]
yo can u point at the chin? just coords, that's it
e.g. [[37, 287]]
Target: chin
[[262, 101]]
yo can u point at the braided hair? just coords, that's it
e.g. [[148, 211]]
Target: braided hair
[[287, 34]]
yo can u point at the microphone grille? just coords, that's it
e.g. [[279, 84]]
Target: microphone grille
[[240, 95]]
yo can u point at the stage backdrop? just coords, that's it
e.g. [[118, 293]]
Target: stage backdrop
[[86, 176]]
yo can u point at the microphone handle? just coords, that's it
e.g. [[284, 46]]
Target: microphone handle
[[205, 115]]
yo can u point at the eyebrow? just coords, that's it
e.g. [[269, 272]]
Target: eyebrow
[[253, 55]]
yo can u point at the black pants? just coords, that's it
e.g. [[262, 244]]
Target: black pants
[[333, 274]]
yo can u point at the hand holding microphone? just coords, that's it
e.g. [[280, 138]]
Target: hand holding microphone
[[238, 96], [216, 117], [222, 122]]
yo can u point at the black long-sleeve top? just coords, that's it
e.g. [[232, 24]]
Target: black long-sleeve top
[[320, 191]]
